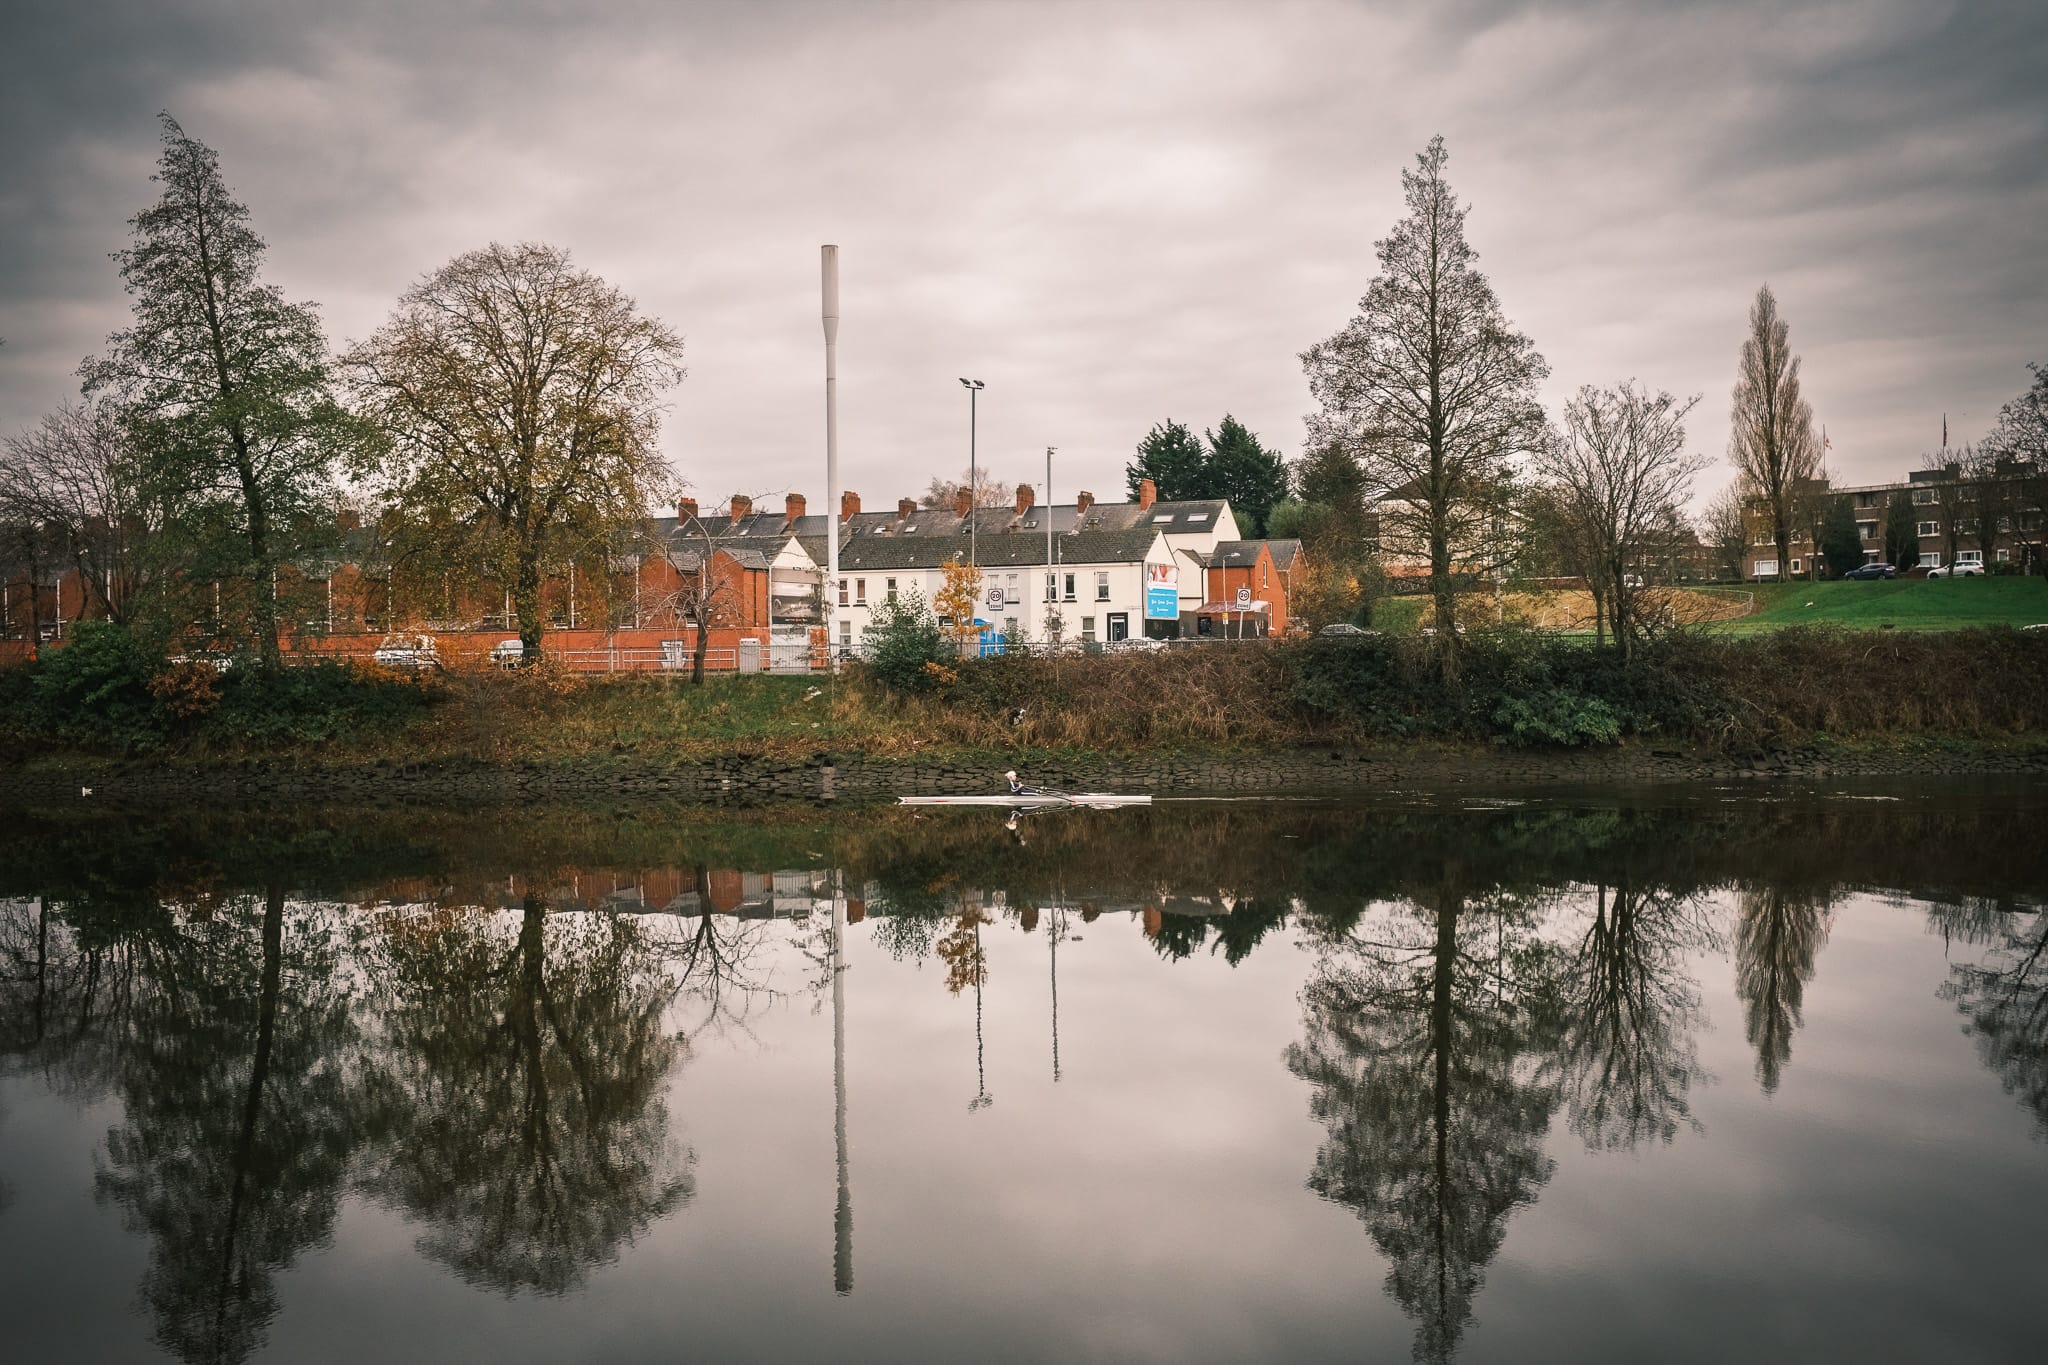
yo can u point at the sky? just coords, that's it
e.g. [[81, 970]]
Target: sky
[[1111, 214]]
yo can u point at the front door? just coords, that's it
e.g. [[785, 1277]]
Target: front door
[[1119, 626]]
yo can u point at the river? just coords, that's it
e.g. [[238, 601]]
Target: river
[[1681, 1073]]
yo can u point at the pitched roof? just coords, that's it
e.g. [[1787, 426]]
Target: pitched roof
[[1284, 553], [1235, 554], [869, 553]]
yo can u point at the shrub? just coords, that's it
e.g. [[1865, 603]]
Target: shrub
[[318, 702], [1556, 716], [95, 690], [906, 649]]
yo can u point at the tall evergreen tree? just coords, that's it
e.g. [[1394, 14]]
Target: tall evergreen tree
[[1242, 470], [225, 382], [1432, 377], [1841, 544], [1176, 461], [1901, 531]]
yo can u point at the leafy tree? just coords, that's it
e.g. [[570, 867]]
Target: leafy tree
[[1901, 531], [225, 385], [1329, 474], [1176, 461], [1240, 469], [904, 644], [1772, 440], [520, 398], [1840, 544], [958, 603], [1432, 379]]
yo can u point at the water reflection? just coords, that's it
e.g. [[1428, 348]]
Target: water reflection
[[1426, 1028], [481, 1025], [517, 1099]]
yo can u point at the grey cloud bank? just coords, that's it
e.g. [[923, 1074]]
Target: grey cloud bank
[[1112, 214]]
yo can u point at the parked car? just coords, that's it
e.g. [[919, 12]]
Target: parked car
[[1957, 571], [1864, 571], [508, 653], [408, 651], [1345, 628]]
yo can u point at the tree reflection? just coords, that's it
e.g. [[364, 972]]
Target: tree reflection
[[1423, 1042], [1627, 1003], [2005, 995], [520, 1108], [239, 1118], [1778, 934]]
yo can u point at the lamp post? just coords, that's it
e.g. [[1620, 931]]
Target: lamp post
[[974, 388], [829, 262]]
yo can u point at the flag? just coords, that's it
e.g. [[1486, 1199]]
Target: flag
[[1825, 443], [1944, 431]]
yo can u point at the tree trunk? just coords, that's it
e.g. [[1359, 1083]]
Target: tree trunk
[[702, 618], [526, 603], [1446, 600], [263, 571]]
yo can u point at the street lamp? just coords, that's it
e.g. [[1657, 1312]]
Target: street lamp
[[974, 388]]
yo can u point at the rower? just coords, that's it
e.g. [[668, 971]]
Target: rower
[[1018, 788]]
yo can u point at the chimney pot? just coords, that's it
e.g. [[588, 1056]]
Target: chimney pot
[[1148, 493], [742, 505], [963, 502], [1025, 497], [686, 509], [793, 505], [849, 505], [906, 508], [1082, 502]]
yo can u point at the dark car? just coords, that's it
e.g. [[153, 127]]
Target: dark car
[[1872, 571]]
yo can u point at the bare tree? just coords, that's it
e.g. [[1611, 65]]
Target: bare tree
[[1431, 382], [1725, 530], [74, 474], [1618, 466], [1990, 496], [2022, 432], [944, 494], [1772, 441], [521, 395]]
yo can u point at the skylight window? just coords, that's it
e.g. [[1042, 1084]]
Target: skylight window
[[1165, 517], [1198, 516]]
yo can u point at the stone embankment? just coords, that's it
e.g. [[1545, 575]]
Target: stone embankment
[[824, 777]]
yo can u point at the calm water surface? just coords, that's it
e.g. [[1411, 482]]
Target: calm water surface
[[1715, 1075]]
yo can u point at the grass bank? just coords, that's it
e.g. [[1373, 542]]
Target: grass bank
[[1517, 689]]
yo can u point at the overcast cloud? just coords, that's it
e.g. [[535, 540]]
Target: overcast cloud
[[1111, 214]]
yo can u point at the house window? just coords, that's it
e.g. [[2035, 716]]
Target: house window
[[1930, 528], [1930, 561], [1867, 529], [1009, 627], [1088, 629], [842, 592], [860, 592], [1069, 594], [891, 593], [1796, 568], [1102, 585], [1969, 556], [1866, 499], [1767, 568], [846, 634], [2005, 556], [1923, 496], [1052, 587]]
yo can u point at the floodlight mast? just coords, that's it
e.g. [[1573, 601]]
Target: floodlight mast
[[830, 596]]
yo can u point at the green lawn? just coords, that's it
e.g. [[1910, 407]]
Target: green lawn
[[1899, 603]]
